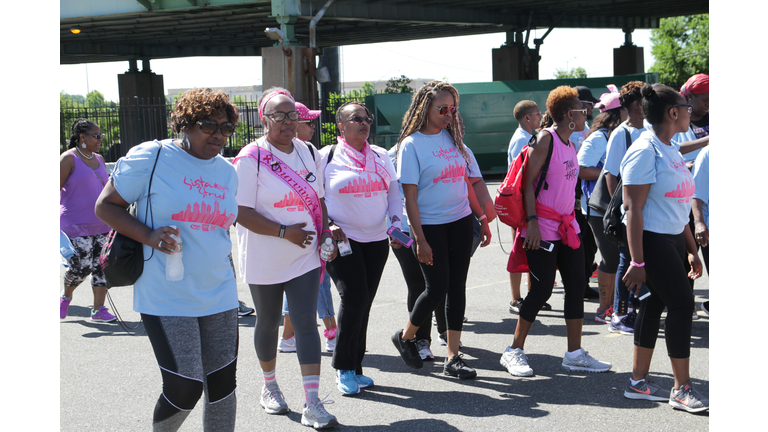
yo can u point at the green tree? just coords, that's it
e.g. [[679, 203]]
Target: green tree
[[399, 85], [367, 89], [680, 48], [95, 99], [577, 72], [69, 100]]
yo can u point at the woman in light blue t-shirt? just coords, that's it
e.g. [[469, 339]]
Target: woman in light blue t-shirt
[[191, 322], [432, 165], [658, 189]]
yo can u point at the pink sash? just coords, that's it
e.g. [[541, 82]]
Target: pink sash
[[303, 190], [367, 155]]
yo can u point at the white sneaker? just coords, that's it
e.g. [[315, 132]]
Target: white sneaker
[[584, 362], [330, 345], [287, 345], [316, 416], [424, 352], [273, 401], [443, 338], [516, 362]]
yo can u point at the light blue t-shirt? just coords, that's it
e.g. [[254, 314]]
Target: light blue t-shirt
[[591, 154], [435, 165], [519, 139], [701, 180], [617, 146], [474, 171], [682, 137], [649, 161], [198, 197], [578, 138]]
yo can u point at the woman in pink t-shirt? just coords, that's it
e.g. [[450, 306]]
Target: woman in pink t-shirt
[[551, 239]]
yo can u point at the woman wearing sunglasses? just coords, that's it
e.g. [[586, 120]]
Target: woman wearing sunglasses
[[361, 192], [82, 177], [287, 343], [282, 221], [658, 188], [432, 164], [551, 240], [192, 322]]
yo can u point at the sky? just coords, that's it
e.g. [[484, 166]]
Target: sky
[[456, 59]]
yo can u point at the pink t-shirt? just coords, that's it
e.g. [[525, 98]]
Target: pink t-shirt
[[559, 191]]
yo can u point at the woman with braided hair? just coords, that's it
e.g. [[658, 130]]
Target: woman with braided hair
[[82, 177], [432, 161]]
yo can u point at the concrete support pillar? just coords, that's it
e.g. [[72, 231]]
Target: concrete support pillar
[[293, 68], [628, 58], [142, 107], [511, 62]]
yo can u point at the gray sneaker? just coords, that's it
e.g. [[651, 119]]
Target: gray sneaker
[[273, 402], [687, 398], [645, 389], [584, 363], [243, 310], [516, 362], [316, 416]]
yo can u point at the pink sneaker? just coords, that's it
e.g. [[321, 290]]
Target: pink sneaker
[[64, 306], [102, 315]]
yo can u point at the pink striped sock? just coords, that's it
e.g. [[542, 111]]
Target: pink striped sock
[[311, 386], [269, 378]]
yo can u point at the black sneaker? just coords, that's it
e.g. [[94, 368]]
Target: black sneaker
[[408, 351], [546, 307], [514, 307], [456, 367]]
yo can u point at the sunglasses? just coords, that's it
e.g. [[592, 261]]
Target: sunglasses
[[444, 109], [97, 136], [279, 116], [583, 111], [210, 127], [690, 107], [361, 120]]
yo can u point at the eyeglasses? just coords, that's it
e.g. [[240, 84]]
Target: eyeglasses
[[583, 111], [442, 110], [97, 136], [358, 119], [279, 116], [690, 107], [210, 127]]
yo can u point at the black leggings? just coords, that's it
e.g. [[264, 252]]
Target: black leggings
[[542, 266], [356, 277], [414, 281], [451, 245], [667, 281]]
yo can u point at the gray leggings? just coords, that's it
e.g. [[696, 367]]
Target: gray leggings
[[302, 301], [196, 355]]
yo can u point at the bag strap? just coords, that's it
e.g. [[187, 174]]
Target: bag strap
[[544, 169], [330, 154], [629, 138], [149, 198]]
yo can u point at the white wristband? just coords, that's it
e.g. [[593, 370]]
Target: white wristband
[[482, 217]]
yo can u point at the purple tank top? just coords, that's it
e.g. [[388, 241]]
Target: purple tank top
[[78, 197], [560, 194]]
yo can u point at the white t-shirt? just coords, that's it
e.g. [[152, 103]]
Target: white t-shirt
[[519, 139], [578, 138], [591, 154], [268, 259], [358, 201], [701, 180]]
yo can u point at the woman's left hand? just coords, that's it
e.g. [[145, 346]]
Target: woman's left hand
[[485, 233], [394, 244], [696, 268]]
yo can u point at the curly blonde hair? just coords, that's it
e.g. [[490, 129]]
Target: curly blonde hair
[[560, 101], [200, 104]]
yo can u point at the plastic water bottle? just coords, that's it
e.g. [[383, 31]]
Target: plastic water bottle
[[174, 267], [326, 249]]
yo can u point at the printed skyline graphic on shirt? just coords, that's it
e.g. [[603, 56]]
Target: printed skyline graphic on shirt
[[362, 187], [451, 174], [202, 214], [684, 192], [291, 202]]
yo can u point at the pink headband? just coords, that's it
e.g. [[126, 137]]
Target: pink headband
[[267, 98]]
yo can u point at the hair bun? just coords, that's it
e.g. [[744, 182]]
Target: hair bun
[[647, 91]]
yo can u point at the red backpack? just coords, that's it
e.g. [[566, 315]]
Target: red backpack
[[509, 196]]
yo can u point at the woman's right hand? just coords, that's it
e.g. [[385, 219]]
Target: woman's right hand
[[634, 279], [702, 233], [161, 240], [424, 252], [297, 235], [532, 236]]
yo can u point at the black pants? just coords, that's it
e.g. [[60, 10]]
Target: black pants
[[451, 246], [588, 243], [356, 277], [414, 281], [667, 281], [542, 266]]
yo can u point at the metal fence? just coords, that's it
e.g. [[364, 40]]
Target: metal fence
[[132, 122]]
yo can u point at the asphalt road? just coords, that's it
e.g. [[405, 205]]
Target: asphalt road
[[109, 380]]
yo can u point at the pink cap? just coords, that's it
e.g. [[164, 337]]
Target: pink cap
[[609, 100], [306, 113]]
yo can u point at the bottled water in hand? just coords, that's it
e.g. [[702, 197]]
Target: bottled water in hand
[[326, 249]]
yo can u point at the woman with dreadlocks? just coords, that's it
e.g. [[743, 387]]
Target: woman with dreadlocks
[[431, 162]]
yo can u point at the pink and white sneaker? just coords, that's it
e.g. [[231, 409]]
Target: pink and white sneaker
[[102, 315]]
